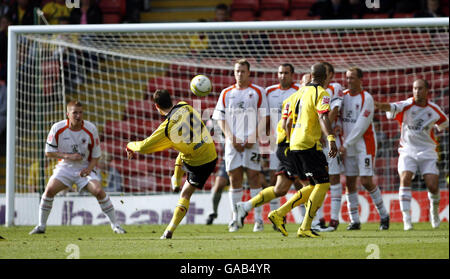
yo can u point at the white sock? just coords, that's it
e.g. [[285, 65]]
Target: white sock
[[336, 199], [235, 196], [258, 209], [434, 203], [274, 204], [319, 215], [302, 209], [377, 199], [108, 208], [406, 216], [405, 195], [353, 206], [45, 208]]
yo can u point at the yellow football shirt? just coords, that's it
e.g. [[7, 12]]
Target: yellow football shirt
[[281, 132], [310, 101], [184, 131], [53, 11]]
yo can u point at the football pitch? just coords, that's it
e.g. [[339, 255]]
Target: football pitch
[[215, 242]]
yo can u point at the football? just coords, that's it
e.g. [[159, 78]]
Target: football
[[201, 85]]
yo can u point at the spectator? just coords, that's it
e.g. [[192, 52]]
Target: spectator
[[332, 9], [55, 9], [5, 21], [4, 7], [21, 13], [406, 6], [133, 11], [88, 13], [34, 174], [222, 13], [64, 20], [3, 119], [111, 178], [432, 9]]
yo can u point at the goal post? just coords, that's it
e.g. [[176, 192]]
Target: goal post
[[113, 68]]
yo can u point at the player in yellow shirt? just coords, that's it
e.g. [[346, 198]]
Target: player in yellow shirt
[[308, 118], [184, 131], [54, 10], [286, 175]]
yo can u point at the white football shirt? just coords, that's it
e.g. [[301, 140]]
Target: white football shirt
[[357, 115], [417, 122], [85, 142], [240, 108]]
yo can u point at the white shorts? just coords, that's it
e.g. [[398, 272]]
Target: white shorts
[[359, 165], [274, 161], [249, 158], [69, 176], [413, 164], [335, 165]]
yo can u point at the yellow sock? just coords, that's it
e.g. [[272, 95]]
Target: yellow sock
[[297, 199], [314, 202], [178, 214], [178, 171], [265, 196]]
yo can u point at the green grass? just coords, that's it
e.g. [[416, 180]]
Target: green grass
[[215, 242]]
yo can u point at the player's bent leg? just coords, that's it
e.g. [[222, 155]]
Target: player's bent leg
[[94, 187], [315, 201], [54, 186], [180, 210], [298, 198], [277, 216]]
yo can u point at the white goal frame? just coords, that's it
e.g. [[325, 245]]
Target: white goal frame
[[14, 31]]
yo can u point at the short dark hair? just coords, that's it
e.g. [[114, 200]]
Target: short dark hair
[[288, 65], [222, 6], [359, 72], [318, 72], [162, 98], [243, 62], [426, 83], [329, 66]]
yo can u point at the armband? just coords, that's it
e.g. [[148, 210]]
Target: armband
[[331, 138]]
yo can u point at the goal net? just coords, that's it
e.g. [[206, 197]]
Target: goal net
[[113, 69]]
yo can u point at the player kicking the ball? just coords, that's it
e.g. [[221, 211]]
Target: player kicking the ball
[[184, 131], [76, 144]]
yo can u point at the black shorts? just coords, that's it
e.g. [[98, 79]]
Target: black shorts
[[197, 176], [286, 165], [314, 164]]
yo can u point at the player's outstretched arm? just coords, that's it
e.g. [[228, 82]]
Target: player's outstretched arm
[[382, 106]]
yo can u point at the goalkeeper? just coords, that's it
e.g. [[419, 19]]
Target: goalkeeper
[[184, 131]]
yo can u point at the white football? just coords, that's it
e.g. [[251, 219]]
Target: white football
[[201, 85]]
